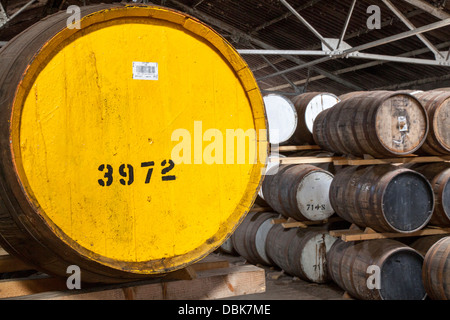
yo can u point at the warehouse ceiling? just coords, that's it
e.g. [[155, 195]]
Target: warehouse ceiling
[[295, 46]]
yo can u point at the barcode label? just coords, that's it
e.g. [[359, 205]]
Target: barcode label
[[145, 70]]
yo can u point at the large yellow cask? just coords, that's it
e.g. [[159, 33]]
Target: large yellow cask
[[131, 147]]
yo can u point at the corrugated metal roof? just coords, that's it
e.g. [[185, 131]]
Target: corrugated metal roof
[[270, 22]]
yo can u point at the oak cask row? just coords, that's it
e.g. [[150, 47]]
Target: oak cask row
[[246, 239], [308, 106], [382, 197], [299, 192], [89, 122], [437, 105], [300, 252], [382, 269], [436, 270], [378, 123], [438, 174]]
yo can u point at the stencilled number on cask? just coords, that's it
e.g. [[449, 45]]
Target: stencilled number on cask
[[310, 207], [126, 172]]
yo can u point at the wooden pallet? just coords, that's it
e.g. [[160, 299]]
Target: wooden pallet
[[211, 278], [370, 234]]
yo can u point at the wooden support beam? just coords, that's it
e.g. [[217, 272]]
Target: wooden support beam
[[209, 284], [370, 234], [410, 159]]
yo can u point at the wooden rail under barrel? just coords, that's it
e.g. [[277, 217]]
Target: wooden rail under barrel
[[211, 278]]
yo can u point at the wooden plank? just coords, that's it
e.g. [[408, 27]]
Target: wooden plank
[[295, 224], [11, 264], [278, 221], [210, 262], [411, 159], [306, 160], [34, 285], [187, 273], [23, 287], [297, 148], [261, 209], [347, 161], [210, 284], [356, 235], [291, 223]]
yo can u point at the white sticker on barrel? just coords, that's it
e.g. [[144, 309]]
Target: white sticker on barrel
[[402, 124], [145, 70]]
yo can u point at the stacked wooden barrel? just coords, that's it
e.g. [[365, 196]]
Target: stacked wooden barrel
[[438, 174], [282, 118], [436, 270], [382, 197], [249, 239], [379, 123], [299, 192], [291, 122], [300, 252], [90, 118], [383, 269], [437, 105]]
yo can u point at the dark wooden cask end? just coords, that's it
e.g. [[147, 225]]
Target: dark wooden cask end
[[382, 197], [381, 269], [438, 174]]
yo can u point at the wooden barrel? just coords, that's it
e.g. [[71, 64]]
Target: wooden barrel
[[299, 192], [96, 131], [270, 164], [442, 89], [281, 118], [436, 270], [383, 197], [308, 106], [437, 105], [379, 123], [300, 252], [438, 174], [352, 94], [248, 239], [382, 269], [228, 248], [424, 243]]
